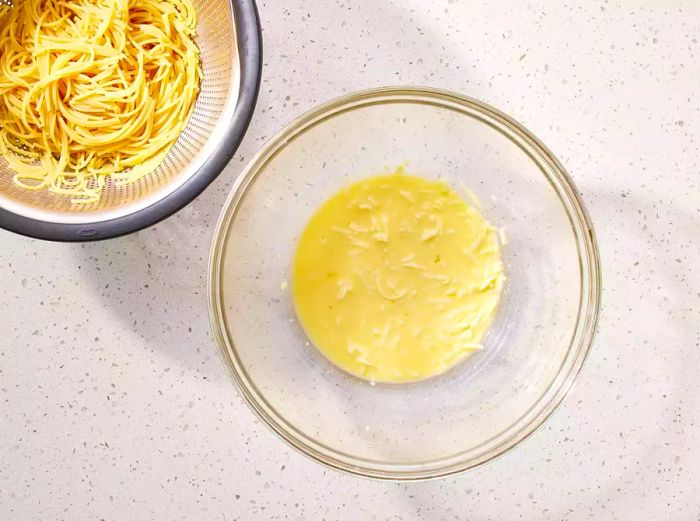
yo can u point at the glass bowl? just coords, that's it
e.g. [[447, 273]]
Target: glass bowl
[[534, 349]]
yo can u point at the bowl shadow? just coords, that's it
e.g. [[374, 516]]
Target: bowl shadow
[[154, 283]]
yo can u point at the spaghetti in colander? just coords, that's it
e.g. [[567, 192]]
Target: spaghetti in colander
[[93, 89]]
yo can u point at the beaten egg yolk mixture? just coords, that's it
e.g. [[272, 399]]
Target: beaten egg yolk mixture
[[396, 278]]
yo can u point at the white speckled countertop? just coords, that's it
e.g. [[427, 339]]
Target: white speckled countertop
[[115, 405]]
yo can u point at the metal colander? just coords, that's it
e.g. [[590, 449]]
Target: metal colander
[[228, 35]]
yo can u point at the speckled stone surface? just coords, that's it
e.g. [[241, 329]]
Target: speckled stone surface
[[115, 405]]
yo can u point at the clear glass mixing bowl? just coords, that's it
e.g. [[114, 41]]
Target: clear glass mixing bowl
[[534, 350]]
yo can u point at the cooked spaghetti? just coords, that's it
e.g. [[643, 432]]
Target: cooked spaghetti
[[93, 89]]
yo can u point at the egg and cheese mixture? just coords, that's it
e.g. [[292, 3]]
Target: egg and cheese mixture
[[396, 278]]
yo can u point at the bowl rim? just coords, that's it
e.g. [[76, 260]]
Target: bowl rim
[[581, 339], [250, 52]]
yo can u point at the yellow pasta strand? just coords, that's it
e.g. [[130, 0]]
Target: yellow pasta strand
[[92, 89]]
